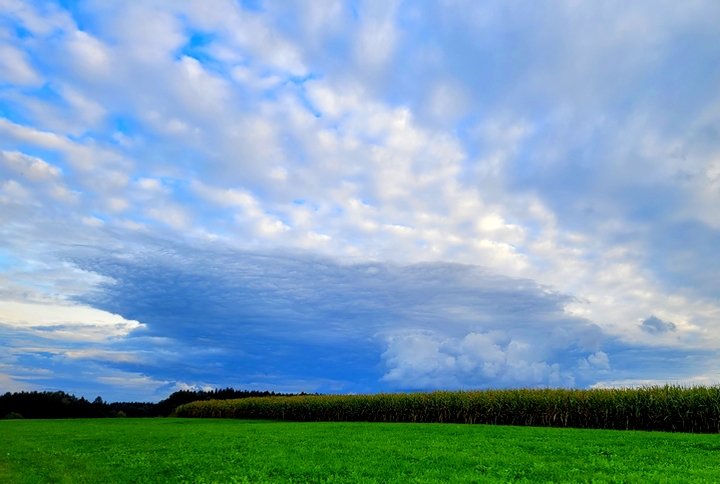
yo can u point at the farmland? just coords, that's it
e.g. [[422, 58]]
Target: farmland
[[665, 408], [222, 450]]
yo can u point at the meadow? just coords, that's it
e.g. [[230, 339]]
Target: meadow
[[154, 450]]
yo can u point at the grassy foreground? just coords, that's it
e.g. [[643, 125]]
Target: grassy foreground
[[241, 451]]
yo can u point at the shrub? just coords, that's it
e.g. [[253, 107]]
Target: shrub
[[13, 416]]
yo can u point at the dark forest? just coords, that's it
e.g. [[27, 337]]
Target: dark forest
[[59, 404]]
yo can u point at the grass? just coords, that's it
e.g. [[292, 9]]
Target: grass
[[241, 451]]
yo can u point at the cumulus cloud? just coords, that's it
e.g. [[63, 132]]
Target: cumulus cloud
[[478, 360]]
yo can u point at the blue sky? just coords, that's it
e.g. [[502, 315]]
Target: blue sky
[[358, 196]]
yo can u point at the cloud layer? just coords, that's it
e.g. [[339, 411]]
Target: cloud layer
[[354, 196]]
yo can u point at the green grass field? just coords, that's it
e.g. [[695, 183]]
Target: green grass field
[[232, 451]]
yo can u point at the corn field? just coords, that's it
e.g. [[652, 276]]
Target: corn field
[[664, 408]]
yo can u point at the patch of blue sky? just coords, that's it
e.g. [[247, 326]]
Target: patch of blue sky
[[270, 94], [224, 225], [310, 108], [116, 130], [32, 359], [656, 362], [196, 47], [478, 60], [566, 185], [683, 255], [100, 216], [281, 216], [252, 5], [21, 32], [80, 377], [300, 80], [332, 55], [297, 82], [45, 287], [12, 111], [8, 261], [179, 185], [181, 190], [47, 93], [294, 150], [76, 10], [89, 135], [680, 83], [20, 28], [466, 131], [651, 203], [305, 203], [354, 8], [374, 138], [13, 23], [124, 125], [187, 157], [12, 264]]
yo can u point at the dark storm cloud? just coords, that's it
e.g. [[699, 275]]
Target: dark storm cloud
[[226, 315]]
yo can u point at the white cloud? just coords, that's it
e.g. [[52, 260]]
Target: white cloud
[[15, 68], [13, 383], [31, 167], [14, 193], [377, 36], [227, 197], [200, 90], [447, 101], [599, 360], [148, 34], [248, 77], [251, 209], [33, 136], [67, 322], [423, 360], [83, 157], [89, 111], [250, 32], [170, 214], [93, 221], [41, 21], [90, 56], [151, 184], [63, 194], [117, 204]]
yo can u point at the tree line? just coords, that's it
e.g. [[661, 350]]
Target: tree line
[[59, 404]]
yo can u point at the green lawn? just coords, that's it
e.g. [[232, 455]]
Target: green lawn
[[232, 451]]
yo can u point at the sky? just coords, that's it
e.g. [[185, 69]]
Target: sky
[[358, 196]]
